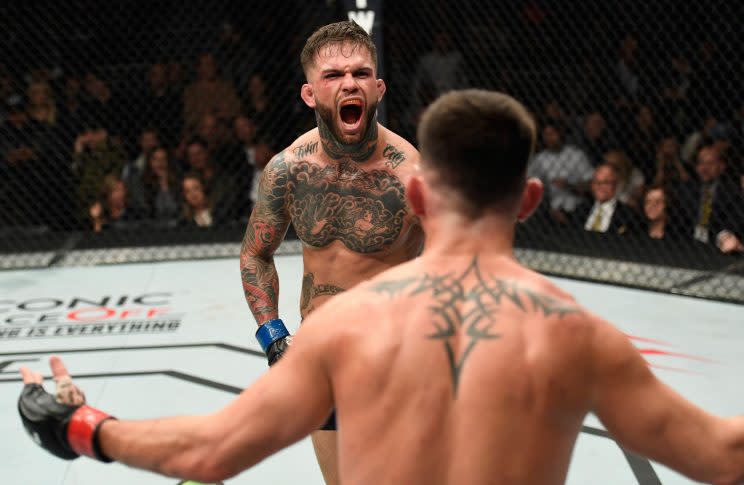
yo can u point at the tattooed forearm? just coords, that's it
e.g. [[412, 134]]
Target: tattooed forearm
[[261, 288], [394, 156], [310, 290], [470, 301], [266, 229]]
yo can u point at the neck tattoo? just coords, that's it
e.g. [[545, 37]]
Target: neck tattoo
[[358, 152]]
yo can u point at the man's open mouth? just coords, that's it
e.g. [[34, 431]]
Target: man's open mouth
[[350, 112]]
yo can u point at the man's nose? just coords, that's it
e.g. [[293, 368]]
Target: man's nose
[[348, 83]]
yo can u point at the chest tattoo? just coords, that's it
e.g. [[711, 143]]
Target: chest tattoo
[[364, 210]]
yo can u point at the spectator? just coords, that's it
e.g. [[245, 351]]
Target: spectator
[[710, 207], [161, 186], [630, 181], [98, 101], [594, 138], [605, 213], [643, 141], [71, 111], [243, 161], [132, 172], [565, 171], [112, 209], [674, 93], [20, 142], [443, 65], [215, 133], [235, 54], [176, 80], [656, 213], [42, 107], [437, 71], [670, 170], [698, 139], [626, 69], [208, 94], [257, 103], [216, 183], [161, 105], [95, 156], [197, 208]]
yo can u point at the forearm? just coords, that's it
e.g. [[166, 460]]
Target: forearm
[[260, 285], [178, 447]]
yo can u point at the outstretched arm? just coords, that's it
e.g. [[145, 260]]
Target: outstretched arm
[[266, 229], [287, 403], [650, 418]]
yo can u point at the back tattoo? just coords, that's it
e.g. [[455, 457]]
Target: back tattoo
[[470, 301]]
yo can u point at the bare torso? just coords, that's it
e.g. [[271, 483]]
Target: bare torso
[[352, 217], [480, 384]]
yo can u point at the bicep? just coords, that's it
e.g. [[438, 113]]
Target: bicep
[[270, 218], [644, 414]]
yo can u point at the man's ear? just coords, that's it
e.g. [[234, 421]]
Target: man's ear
[[306, 92], [381, 89], [416, 195], [531, 198]]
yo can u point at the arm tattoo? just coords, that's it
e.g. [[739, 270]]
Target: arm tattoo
[[471, 302], [394, 156], [310, 290], [266, 229]]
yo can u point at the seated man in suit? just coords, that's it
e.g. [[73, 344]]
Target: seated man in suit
[[605, 213], [710, 207]]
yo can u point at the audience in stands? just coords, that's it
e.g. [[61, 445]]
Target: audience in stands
[[656, 213], [596, 160], [95, 156], [594, 138], [630, 183], [564, 170], [112, 209], [209, 93], [161, 187], [710, 206], [197, 208], [605, 213], [670, 169]]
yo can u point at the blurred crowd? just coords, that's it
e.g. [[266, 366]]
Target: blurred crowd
[[629, 144], [179, 152]]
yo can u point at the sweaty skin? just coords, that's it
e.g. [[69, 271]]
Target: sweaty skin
[[342, 187], [480, 372], [352, 218]]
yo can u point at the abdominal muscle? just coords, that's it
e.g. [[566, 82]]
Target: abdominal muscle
[[334, 269]]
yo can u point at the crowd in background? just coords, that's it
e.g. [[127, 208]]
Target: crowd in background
[[627, 145]]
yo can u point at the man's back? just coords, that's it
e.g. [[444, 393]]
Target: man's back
[[477, 369]]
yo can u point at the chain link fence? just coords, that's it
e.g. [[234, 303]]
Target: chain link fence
[[119, 121]]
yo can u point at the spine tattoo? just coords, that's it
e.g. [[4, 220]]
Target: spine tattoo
[[469, 302]]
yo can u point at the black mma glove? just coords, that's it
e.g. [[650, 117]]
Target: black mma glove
[[274, 339], [65, 431]]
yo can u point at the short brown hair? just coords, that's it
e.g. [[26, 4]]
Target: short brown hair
[[479, 143], [336, 33]]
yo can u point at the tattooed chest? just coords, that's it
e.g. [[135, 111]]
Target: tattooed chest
[[364, 210]]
